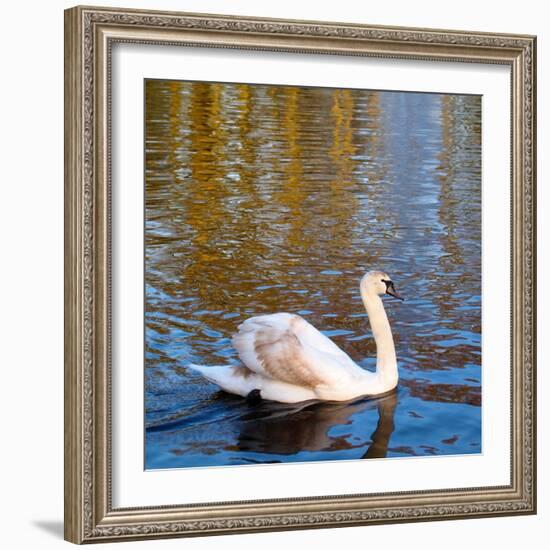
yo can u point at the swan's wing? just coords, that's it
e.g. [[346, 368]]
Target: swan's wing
[[286, 347], [310, 336]]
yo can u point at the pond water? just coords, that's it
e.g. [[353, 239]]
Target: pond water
[[262, 199]]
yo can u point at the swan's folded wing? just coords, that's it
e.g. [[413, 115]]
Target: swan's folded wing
[[309, 336], [285, 347]]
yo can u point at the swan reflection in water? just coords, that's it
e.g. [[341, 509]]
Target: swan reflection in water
[[273, 428]]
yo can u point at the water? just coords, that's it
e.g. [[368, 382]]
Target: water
[[268, 198]]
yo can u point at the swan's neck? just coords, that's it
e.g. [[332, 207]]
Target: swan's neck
[[386, 362]]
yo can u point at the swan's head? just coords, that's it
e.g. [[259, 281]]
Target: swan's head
[[378, 282]]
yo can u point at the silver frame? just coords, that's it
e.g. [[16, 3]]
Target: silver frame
[[89, 36]]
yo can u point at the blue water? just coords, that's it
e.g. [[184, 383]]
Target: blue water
[[262, 199]]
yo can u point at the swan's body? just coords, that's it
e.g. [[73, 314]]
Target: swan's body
[[288, 360]]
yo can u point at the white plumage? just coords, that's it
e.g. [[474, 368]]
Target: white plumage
[[289, 360]]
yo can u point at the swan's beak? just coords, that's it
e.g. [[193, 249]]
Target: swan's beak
[[390, 289]]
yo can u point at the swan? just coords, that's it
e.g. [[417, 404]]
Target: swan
[[286, 359]]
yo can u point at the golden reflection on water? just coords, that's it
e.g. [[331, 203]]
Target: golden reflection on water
[[272, 198]]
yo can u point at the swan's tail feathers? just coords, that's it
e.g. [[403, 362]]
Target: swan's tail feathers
[[198, 368], [231, 378]]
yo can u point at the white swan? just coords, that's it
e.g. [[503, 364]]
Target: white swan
[[288, 360]]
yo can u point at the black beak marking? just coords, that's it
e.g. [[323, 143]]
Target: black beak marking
[[390, 289]]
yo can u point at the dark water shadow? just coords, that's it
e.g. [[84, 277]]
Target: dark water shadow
[[384, 428], [51, 526], [286, 430]]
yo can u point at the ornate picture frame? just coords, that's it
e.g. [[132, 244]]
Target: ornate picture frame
[[90, 34]]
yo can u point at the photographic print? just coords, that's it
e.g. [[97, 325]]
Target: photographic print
[[312, 274], [274, 271]]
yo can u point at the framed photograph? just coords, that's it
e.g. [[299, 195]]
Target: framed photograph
[[300, 274]]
